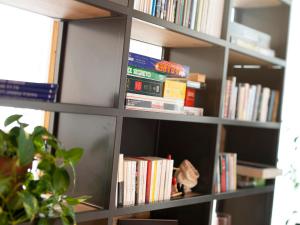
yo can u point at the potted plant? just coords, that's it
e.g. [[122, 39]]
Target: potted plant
[[35, 195]]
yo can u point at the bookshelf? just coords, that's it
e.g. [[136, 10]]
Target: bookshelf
[[91, 70]]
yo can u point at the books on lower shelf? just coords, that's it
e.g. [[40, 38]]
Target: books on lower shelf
[[144, 180], [225, 178], [28, 90], [244, 101], [201, 15], [250, 38], [162, 86]]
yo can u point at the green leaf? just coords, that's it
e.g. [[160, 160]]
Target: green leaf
[[5, 184], [61, 180], [25, 148], [3, 218], [13, 118], [74, 155], [45, 165], [76, 201], [15, 203], [43, 221], [30, 204]]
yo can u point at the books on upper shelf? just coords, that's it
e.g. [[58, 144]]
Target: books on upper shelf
[[28, 90], [257, 170], [246, 182], [201, 15], [143, 180], [162, 86], [250, 38], [244, 101], [225, 179]]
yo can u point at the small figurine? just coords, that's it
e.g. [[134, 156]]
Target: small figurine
[[187, 176]]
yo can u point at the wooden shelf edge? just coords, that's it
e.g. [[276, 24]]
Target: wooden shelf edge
[[59, 107], [244, 192], [207, 40], [169, 116], [108, 5], [268, 125], [256, 57]]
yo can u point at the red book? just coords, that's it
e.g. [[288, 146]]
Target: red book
[[190, 97], [148, 181], [223, 173]]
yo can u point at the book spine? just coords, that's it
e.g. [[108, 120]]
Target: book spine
[[27, 88], [121, 180], [146, 74], [153, 180], [148, 181], [158, 8], [223, 173], [226, 99], [144, 86], [276, 105], [153, 9], [227, 174], [190, 97], [29, 84], [29, 95]]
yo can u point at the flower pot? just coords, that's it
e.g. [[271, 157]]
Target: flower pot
[[8, 165]]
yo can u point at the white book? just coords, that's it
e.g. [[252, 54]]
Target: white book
[[256, 102], [125, 194], [264, 104], [193, 17], [246, 101], [251, 102], [158, 179], [219, 18], [199, 15], [162, 180], [231, 98], [143, 196], [169, 177], [234, 102], [241, 95], [204, 16], [120, 176]]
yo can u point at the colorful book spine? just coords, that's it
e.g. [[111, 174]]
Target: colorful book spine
[[144, 86], [147, 74]]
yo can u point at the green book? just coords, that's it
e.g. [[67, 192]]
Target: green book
[[146, 74]]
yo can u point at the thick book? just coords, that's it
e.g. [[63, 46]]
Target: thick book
[[148, 63], [174, 89], [257, 170], [146, 222], [147, 74], [28, 95], [143, 86]]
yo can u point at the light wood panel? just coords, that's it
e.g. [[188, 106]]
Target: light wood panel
[[259, 3], [157, 35], [62, 9]]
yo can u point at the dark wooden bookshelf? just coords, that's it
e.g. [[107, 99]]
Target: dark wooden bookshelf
[[94, 116]]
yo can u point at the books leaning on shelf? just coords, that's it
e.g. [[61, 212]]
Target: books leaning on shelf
[[201, 15], [162, 86], [28, 90], [225, 179], [243, 101], [144, 180], [252, 39]]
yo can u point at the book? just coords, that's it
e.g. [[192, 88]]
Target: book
[[146, 222], [27, 88], [27, 95], [257, 170], [174, 89], [190, 97], [197, 77], [28, 84], [120, 180], [146, 74], [144, 86]]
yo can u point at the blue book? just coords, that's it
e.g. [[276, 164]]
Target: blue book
[[148, 63], [29, 95], [153, 9], [29, 84], [27, 88]]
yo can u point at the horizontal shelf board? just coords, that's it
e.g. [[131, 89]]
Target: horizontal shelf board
[[244, 192], [243, 56], [113, 6], [269, 125], [188, 200], [170, 117], [59, 107], [259, 3], [156, 31], [62, 9]]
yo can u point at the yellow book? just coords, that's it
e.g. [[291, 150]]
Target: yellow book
[[154, 181], [174, 89]]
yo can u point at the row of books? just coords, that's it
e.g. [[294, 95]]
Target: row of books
[[226, 176], [28, 90], [162, 86], [250, 38], [201, 15], [144, 180], [250, 102]]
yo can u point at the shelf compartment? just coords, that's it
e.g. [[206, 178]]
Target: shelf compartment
[[58, 107], [243, 192], [242, 56], [156, 31], [183, 201], [170, 117], [242, 123], [63, 9], [259, 3]]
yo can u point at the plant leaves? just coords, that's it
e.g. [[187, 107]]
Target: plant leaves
[[3, 217], [13, 118], [61, 180], [76, 201], [73, 155], [43, 221], [25, 148], [30, 204]]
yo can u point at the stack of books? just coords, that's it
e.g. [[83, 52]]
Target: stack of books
[[252, 39], [28, 90], [250, 102], [201, 15], [162, 86], [144, 180], [226, 177]]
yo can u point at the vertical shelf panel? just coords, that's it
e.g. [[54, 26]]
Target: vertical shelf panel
[[92, 62], [96, 135]]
